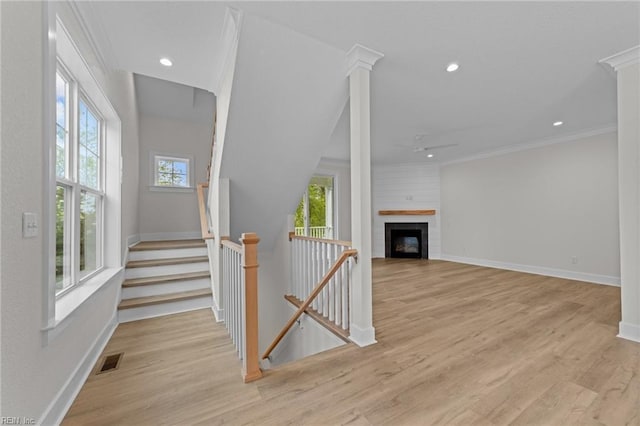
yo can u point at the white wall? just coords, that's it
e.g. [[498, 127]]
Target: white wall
[[39, 376], [171, 212], [406, 187], [273, 282], [534, 210], [121, 87], [269, 153]]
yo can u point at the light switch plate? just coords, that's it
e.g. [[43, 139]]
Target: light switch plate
[[29, 225]]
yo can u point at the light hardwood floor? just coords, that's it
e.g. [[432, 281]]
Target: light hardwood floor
[[457, 344]]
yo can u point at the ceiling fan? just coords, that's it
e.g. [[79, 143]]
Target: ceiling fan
[[419, 147], [429, 148]]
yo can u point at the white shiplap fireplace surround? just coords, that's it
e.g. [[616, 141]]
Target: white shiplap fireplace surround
[[406, 187]]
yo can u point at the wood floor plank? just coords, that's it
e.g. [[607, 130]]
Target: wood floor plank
[[457, 344]]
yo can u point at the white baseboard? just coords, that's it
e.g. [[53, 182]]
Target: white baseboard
[[161, 236], [539, 270], [217, 312], [629, 331], [55, 412], [133, 239], [362, 336]]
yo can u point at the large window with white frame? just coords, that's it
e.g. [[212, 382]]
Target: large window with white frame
[[80, 196], [83, 167]]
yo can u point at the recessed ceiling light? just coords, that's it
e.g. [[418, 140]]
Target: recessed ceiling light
[[452, 67], [558, 123], [166, 62], [430, 155]]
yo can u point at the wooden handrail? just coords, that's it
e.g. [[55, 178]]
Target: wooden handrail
[[226, 241], [316, 291], [204, 223], [293, 236]]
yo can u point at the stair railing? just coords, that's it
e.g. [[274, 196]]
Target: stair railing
[[204, 221], [240, 292], [325, 262]]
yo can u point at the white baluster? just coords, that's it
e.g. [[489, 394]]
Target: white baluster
[[314, 273], [243, 329], [332, 285], [344, 271], [325, 269]]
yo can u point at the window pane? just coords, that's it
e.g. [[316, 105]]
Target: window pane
[[61, 101], [180, 167], [91, 134], [89, 233], [317, 205], [63, 239], [89, 166], [165, 166], [89, 150], [179, 180], [61, 126], [171, 172], [165, 179]]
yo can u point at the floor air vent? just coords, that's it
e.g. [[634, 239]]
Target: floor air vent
[[110, 363]]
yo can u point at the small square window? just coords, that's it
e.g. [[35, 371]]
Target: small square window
[[172, 171]]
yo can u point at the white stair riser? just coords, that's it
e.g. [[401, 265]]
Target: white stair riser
[[167, 254], [152, 311], [165, 288], [156, 271]]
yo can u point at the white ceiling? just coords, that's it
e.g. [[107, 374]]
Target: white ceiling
[[523, 65]]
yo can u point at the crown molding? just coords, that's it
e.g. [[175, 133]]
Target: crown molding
[[360, 56], [534, 144], [623, 59], [95, 34]]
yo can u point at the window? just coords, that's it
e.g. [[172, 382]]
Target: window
[[79, 193], [83, 165], [172, 171], [314, 215]]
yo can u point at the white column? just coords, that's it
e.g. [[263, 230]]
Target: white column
[[360, 61], [221, 228], [627, 66]]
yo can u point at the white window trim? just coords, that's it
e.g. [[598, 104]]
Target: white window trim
[[166, 188], [72, 180], [58, 311]]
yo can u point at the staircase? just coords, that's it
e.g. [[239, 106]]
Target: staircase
[[165, 277]]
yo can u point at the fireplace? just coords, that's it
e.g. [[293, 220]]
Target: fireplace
[[407, 240]]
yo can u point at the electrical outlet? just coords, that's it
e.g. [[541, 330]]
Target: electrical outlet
[[574, 260], [29, 225], [409, 198]]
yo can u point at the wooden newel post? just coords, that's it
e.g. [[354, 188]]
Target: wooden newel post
[[251, 366]]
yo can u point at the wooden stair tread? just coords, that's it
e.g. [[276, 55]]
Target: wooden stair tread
[[167, 245], [164, 262], [320, 319], [165, 298], [137, 282]]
